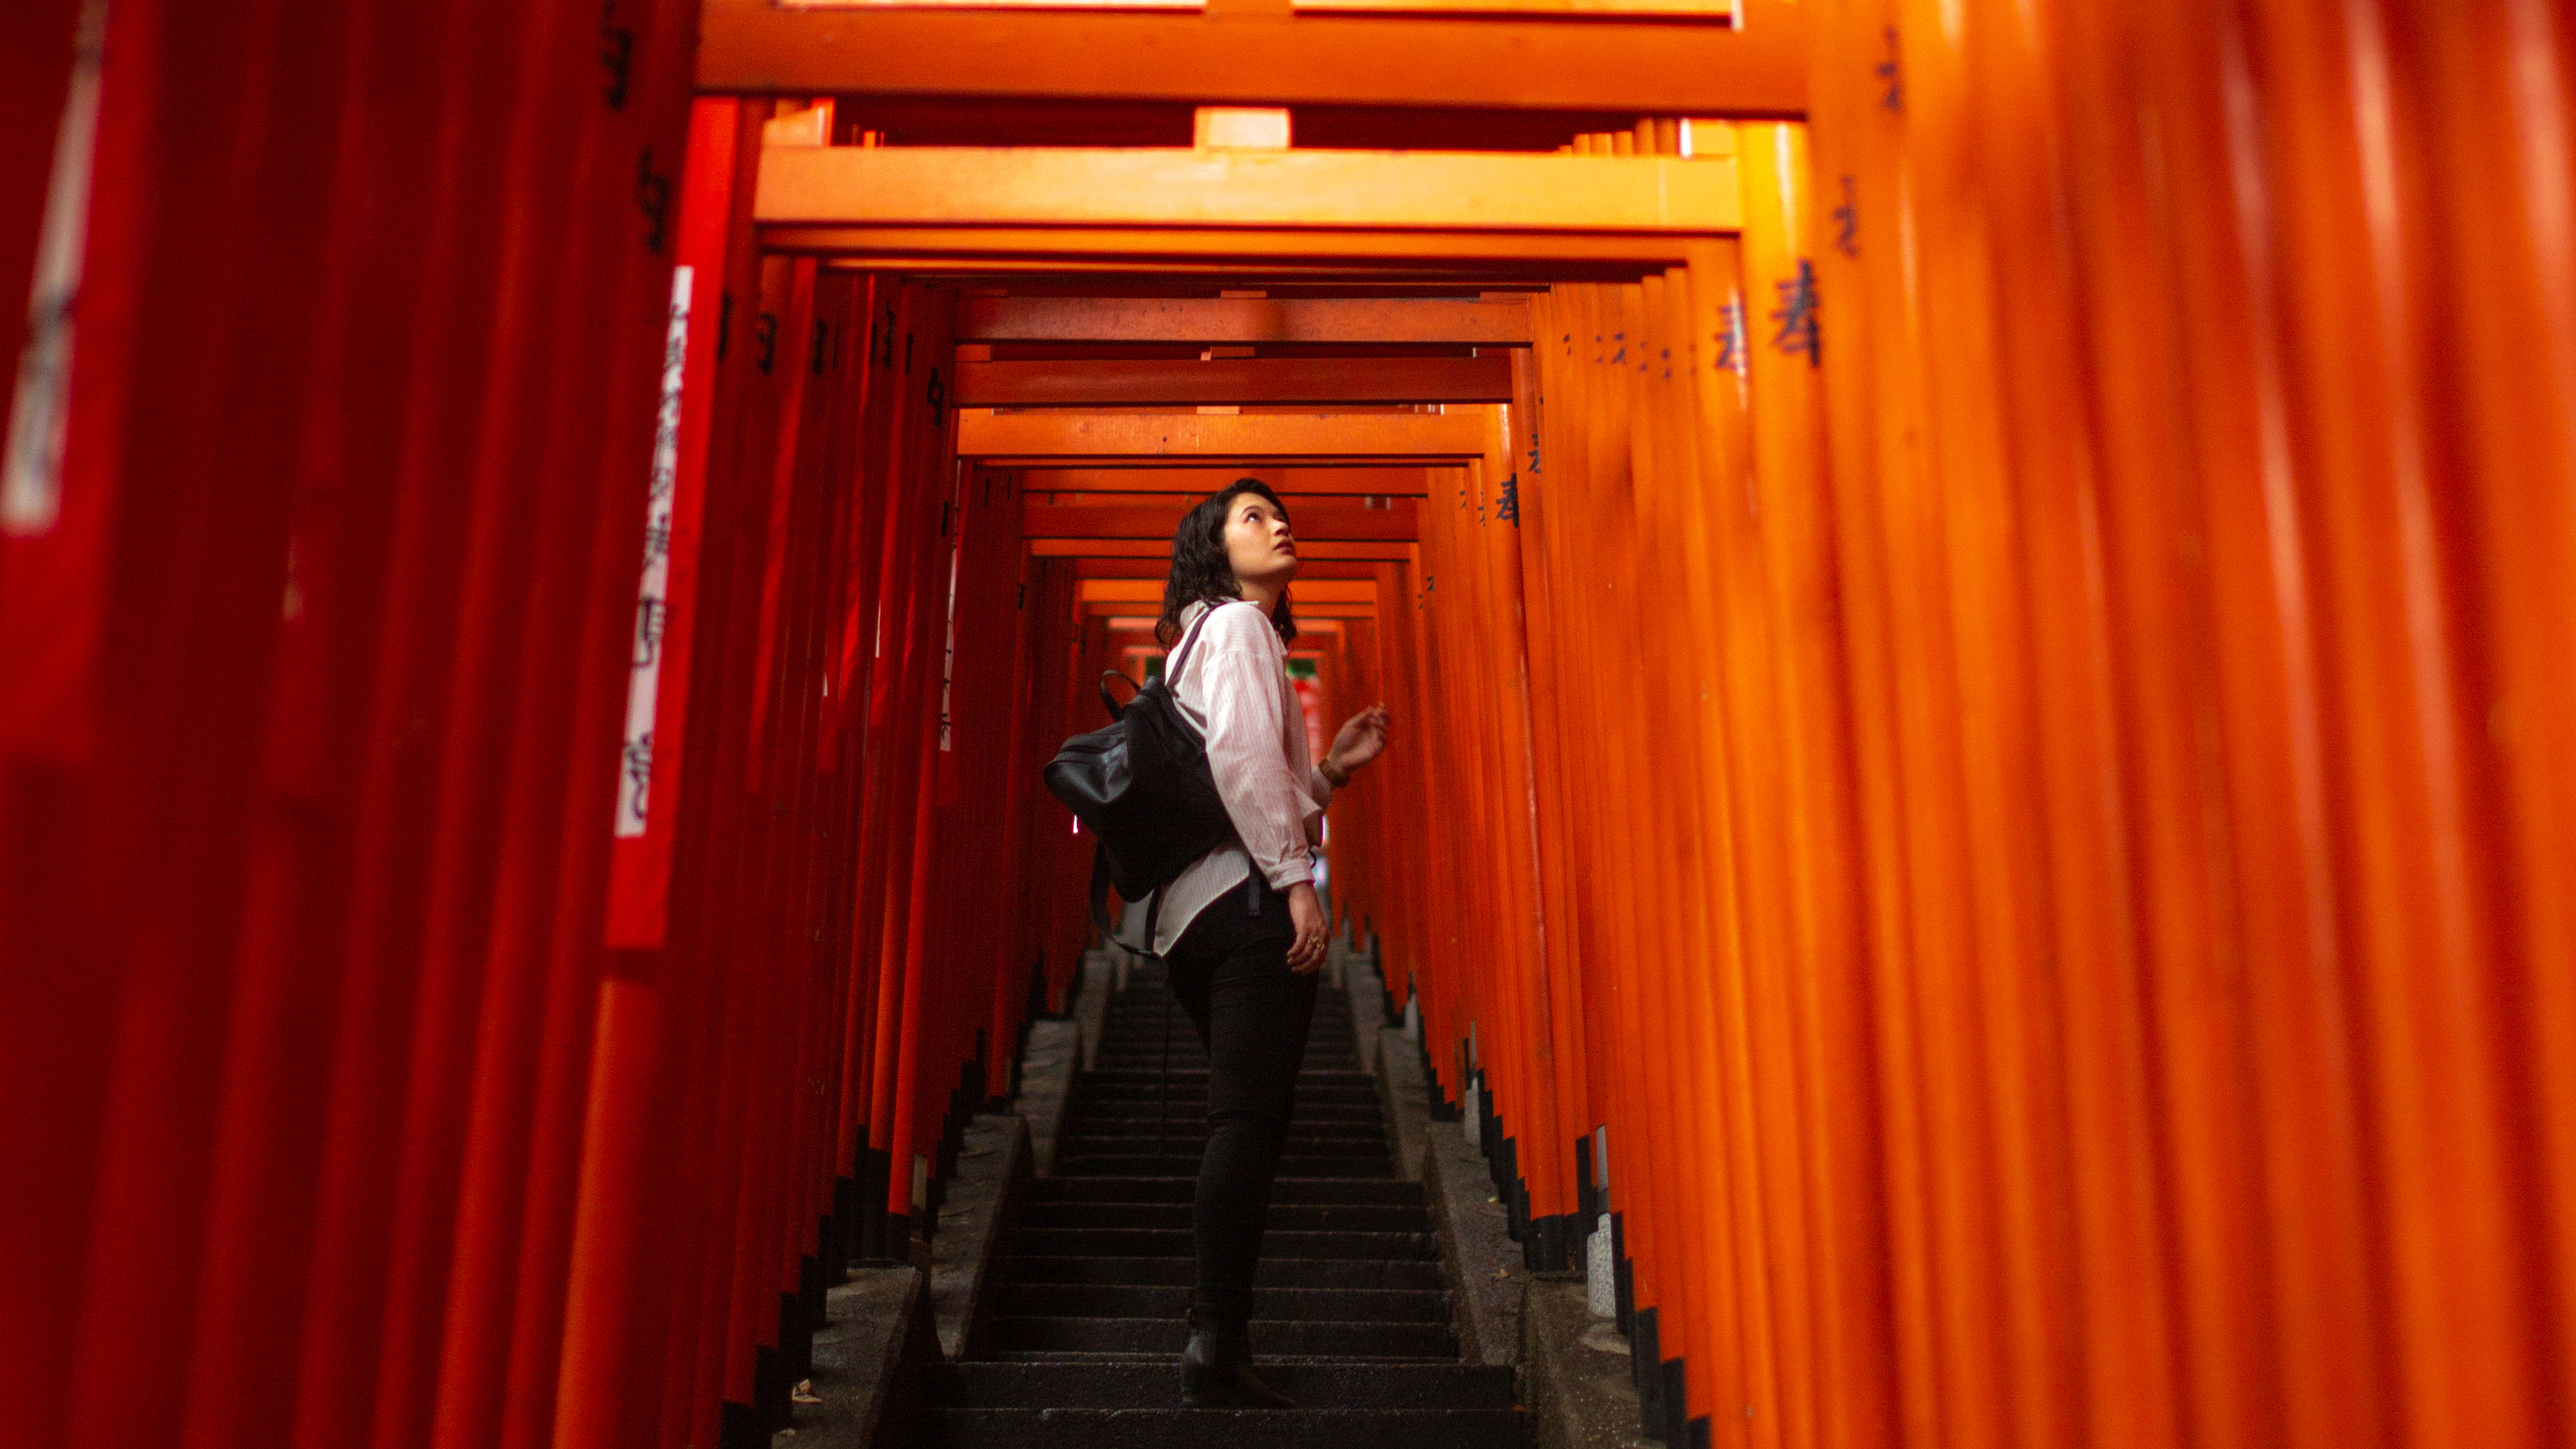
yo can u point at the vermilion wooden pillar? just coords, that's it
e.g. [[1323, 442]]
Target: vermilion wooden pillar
[[616, 1325]]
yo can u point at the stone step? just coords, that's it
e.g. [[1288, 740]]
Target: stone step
[[1284, 1217], [1148, 1007], [1178, 1428], [1185, 1098], [1150, 1049], [1193, 1112], [1304, 1159], [1274, 1305], [1315, 1132], [1165, 1357], [1269, 1336], [1314, 1384], [1152, 1065], [1300, 1128], [1149, 1110], [1410, 1273], [1152, 1000], [1324, 1034], [1192, 1095], [1176, 1243], [1327, 1029], [1155, 1076], [1183, 1162], [1182, 1189]]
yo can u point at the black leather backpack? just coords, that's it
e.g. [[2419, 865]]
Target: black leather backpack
[[1142, 787]]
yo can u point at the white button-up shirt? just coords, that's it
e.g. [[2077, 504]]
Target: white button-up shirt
[[1233, 688]]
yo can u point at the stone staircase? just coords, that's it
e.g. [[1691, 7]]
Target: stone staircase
[[1079, 1348]]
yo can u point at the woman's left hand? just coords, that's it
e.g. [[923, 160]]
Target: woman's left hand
[[1362, 739]]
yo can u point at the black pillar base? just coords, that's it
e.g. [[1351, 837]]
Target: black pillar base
[[838, 1242], [1645, 1361], [1623, 1279], [872, 1245], [807, 1304], [1545, 1249], [768, 1390]]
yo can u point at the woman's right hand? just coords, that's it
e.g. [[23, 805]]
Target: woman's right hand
[[1306, 913]]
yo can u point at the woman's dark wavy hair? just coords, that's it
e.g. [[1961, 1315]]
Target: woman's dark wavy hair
[[1201, 570]]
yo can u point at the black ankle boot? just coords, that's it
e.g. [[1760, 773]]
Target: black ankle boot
[[1216, 1368]]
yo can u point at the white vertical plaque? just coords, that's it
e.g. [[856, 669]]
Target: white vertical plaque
[[31, 476], [652, 598]]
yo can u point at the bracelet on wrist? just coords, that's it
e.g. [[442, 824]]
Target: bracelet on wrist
[[1334, 775]]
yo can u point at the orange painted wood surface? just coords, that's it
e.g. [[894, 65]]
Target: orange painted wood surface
[[1309, 591], [1400, 252], [1450, 321], [1319, 380], [1063, 186], [752, 47], [1344, 550], [1334, 521], [1378, 437], [1553, 9], [1354, 482]]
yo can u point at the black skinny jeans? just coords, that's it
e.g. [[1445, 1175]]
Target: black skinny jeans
[[1230, 973]]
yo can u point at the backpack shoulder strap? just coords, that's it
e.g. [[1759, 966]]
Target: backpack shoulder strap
[[1181, 656]]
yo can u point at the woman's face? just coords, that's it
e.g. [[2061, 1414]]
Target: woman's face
[[1257, 541]]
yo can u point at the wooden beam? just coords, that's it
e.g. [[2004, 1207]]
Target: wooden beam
[[1307, 380], [1535, 9], [1586, 63], [1290, 483], [809, 187], [1205, 321], [1315, 523], [1162, 251], [1391, 436], [1309, 551], [1156, 567], [1126, 608], [1150, 591], [1218, 271]]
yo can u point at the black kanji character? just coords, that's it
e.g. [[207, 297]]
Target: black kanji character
[[1796, 315], [649, 613], [639, 775]]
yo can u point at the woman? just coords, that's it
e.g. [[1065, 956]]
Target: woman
[[1240, 931]]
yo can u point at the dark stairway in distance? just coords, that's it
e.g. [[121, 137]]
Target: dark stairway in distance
[[1082, 1344]]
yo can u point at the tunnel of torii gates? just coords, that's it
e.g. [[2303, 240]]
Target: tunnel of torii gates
[[1975, 600]]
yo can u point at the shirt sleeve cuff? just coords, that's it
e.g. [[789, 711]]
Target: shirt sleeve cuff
[[1297, 872], [1319, 786]]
